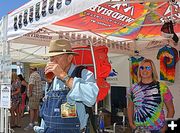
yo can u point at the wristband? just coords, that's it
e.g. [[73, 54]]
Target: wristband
[[66, 78]]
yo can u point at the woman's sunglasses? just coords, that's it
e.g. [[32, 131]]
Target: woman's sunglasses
[[145, 67]]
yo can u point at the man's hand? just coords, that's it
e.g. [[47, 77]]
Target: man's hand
[[56, 69]]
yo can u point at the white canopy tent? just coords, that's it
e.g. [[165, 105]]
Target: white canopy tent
[[28, 40], [43, 28], [29, 47], [65, 11]]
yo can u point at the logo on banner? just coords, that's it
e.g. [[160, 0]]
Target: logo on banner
[[175, 8], [25, 21], [67, 2], [31, 12], [59, 4], [113, 73], [20, 21], [37, 37], [44, 5], [22, 18], [37, 15], [15, 23], [51, 6]]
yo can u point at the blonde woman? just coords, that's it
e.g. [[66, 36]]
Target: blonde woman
[[15, 101], [146, 100]]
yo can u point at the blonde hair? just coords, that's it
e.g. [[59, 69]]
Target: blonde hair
[[154, 72], [14, 77]]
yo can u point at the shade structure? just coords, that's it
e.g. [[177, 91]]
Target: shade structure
[[103, 21], [131, 19], [41, 13], [126, 20]]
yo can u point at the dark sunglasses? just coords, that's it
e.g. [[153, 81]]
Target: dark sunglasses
[[145, 67]]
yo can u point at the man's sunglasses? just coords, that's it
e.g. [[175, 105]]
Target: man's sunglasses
[[145, 67]]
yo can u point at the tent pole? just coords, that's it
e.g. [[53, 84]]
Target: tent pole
[[95, 73], [171, 12], [5, 69], [2, 120]]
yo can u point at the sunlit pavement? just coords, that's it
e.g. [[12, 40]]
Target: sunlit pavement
[[24, 123]]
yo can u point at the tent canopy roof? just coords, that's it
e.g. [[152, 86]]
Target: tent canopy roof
[[101, 21]]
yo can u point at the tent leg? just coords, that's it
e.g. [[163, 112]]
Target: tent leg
[[2, 120], [6, 120]]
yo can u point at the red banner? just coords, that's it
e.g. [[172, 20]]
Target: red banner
[[124, 20]]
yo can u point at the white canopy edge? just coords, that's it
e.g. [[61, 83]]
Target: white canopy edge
[[76, 6], [44, 35], [28, 53]]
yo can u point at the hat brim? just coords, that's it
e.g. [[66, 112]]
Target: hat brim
[[59, 53]]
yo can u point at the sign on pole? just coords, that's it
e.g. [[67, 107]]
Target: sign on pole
[[5, 96]]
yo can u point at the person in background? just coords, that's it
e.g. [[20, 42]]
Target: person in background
[[15, 101], [35, 93], [146, 100], [24, 87]]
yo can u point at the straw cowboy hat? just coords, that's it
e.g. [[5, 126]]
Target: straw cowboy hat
[[58, 47]]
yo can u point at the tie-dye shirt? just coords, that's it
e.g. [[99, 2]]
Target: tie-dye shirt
[[134, 68], [168, 57], [148, 104]]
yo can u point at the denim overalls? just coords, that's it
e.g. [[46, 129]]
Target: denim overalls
[[51, 114]]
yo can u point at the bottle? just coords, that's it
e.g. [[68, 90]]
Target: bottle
[[101, 122]]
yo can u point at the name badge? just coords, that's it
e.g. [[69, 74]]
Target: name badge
[[68, 111]]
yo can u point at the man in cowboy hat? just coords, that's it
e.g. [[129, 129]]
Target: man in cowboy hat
[[81, 91]]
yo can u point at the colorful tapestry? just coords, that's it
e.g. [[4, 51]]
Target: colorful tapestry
[[168, 57], [134, 68]]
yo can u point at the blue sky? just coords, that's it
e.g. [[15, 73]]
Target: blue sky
[[7, 6]]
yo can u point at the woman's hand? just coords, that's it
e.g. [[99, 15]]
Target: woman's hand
[[164, 128], [132, 125]]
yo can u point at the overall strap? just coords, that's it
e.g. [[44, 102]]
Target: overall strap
[[77, 71]]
